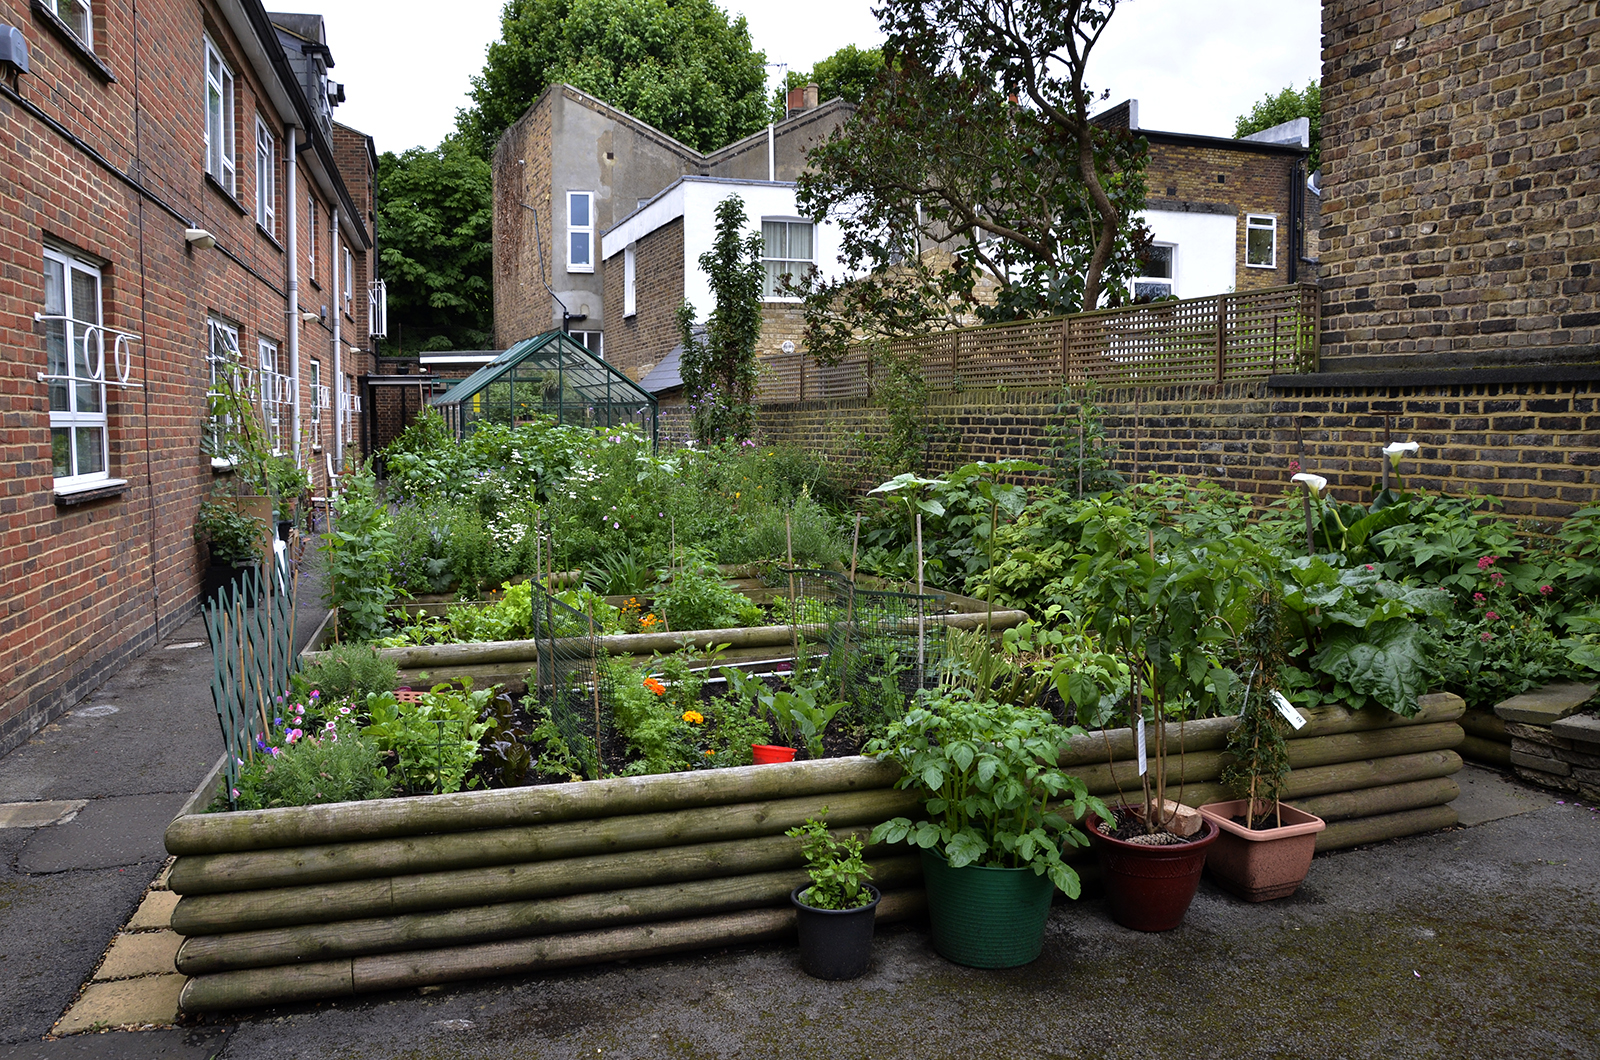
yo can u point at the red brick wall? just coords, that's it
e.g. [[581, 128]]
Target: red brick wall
[[83, 585], [634, 344]]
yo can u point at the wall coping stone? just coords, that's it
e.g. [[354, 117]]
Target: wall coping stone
[[1547, 705], [1580, 728], [1378, 378]]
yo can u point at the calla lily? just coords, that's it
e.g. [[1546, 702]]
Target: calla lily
[[1315, 483], [1395, 450]]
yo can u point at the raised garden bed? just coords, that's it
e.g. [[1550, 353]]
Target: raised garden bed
[[324, 902]]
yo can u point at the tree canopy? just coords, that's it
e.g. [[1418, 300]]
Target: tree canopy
[[1287, 106], [848, 73], [682, 65], [435, 222], [975, 139]]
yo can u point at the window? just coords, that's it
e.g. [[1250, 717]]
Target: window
[[580, 231], [266, 177], [311, 243], [1155, 273], [787, 254], [75, 14], [75, 353], [630, 303], [378, 309], [219, 118], [593, 341], [319, 398], [1261, 241], [349, 290], [223, 364], [275, 393], [350, 406]]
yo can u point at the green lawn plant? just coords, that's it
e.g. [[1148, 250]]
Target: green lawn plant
[[991, 785], [834, 865]]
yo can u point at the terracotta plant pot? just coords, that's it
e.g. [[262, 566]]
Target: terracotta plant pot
[[765, 754], [835, 943], [1150, 887], [1259, 865]]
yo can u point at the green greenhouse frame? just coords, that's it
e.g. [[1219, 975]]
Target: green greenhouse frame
[[548, 375]]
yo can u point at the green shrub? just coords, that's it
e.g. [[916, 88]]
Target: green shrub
[[360, 557], [698, 597], [347, 671], [313, 769], [435, 738]]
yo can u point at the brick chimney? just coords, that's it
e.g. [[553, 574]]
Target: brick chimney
[[802, 99]]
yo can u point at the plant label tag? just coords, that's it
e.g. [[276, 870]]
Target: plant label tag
[[1138, 735], [1287, 709]]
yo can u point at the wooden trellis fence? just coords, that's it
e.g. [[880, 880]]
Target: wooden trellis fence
[[250, 624], [1246, 335]]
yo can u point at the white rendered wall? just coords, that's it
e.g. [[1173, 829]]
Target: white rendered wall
[[1207, 256]]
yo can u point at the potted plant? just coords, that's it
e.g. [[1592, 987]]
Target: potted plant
[[233, 541], [999, 810], [285, 483], [1264, 849], [836, 911], [1167, 613]]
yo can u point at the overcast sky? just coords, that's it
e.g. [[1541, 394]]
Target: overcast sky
[[1193, 65]]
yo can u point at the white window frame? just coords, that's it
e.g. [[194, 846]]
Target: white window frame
[[1169, 281], [219, 118], [83, 332], [1261, 222], [349, 288], [311, 240], [319, 398], [68, 18], [769, 279], [583, 232], [593, 341], [222, 348], [350, 408], [378, 309], [630, 300], [266, 178], [275, 394]]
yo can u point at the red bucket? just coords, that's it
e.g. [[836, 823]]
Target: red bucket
[[766, 753]]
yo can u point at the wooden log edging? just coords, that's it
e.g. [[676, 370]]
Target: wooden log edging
[[329, 901]]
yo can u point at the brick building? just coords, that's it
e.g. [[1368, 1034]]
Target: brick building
[[572, 168], [172, 188]]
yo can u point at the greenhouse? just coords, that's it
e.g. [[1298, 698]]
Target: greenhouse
[[548, 375]]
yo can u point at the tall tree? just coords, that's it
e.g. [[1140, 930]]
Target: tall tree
[[1287, 106], [976, 137], [682, 65], [718, 365], [435, 221]]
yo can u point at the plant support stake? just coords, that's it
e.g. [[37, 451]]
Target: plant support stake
[[922, 678]]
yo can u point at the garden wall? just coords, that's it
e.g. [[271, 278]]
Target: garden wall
[[325, 902], [1530, 437]]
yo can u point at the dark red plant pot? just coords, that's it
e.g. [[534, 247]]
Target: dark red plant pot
[[1150, 887], [765, 754]]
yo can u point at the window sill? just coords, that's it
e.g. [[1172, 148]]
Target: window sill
[[584, 270], [1265, 268], [221, 465], [89, 492], [74, 43], [220, 189], [264, 230]]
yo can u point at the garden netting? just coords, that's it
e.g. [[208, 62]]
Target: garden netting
[[880, 644]]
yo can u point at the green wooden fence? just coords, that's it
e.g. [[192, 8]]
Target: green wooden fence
[[250, 624]]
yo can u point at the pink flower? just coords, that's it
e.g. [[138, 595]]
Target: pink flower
[[1294, 466], [276, 751], [1491, 616], [293, 735], [236, 793], [1485, 562], [1545, 590], [1371, 567], [333, 737], [1479, 597], [1486, 636], [344, 710]]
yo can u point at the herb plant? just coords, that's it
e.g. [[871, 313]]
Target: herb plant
[[834, 865]]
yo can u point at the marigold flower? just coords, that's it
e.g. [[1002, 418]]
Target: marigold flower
[[655, 686], [693, 717]]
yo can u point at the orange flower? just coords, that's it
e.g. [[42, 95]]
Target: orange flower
[[655, 686]]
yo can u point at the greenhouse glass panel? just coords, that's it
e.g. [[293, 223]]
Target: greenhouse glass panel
[[551, 375]]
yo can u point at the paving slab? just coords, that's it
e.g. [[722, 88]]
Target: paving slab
[[1546, 705], [135, 1002], [1487, 795], [144, 953], [175, 1044], [39, 813], [106, 833], [155, 912]]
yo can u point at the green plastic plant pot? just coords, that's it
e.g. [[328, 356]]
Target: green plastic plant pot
[[986, 917]]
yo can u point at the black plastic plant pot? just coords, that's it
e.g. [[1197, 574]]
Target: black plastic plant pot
[[835, 943]]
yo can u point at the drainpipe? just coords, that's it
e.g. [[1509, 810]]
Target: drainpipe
[[294, 287], [338, 372]]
